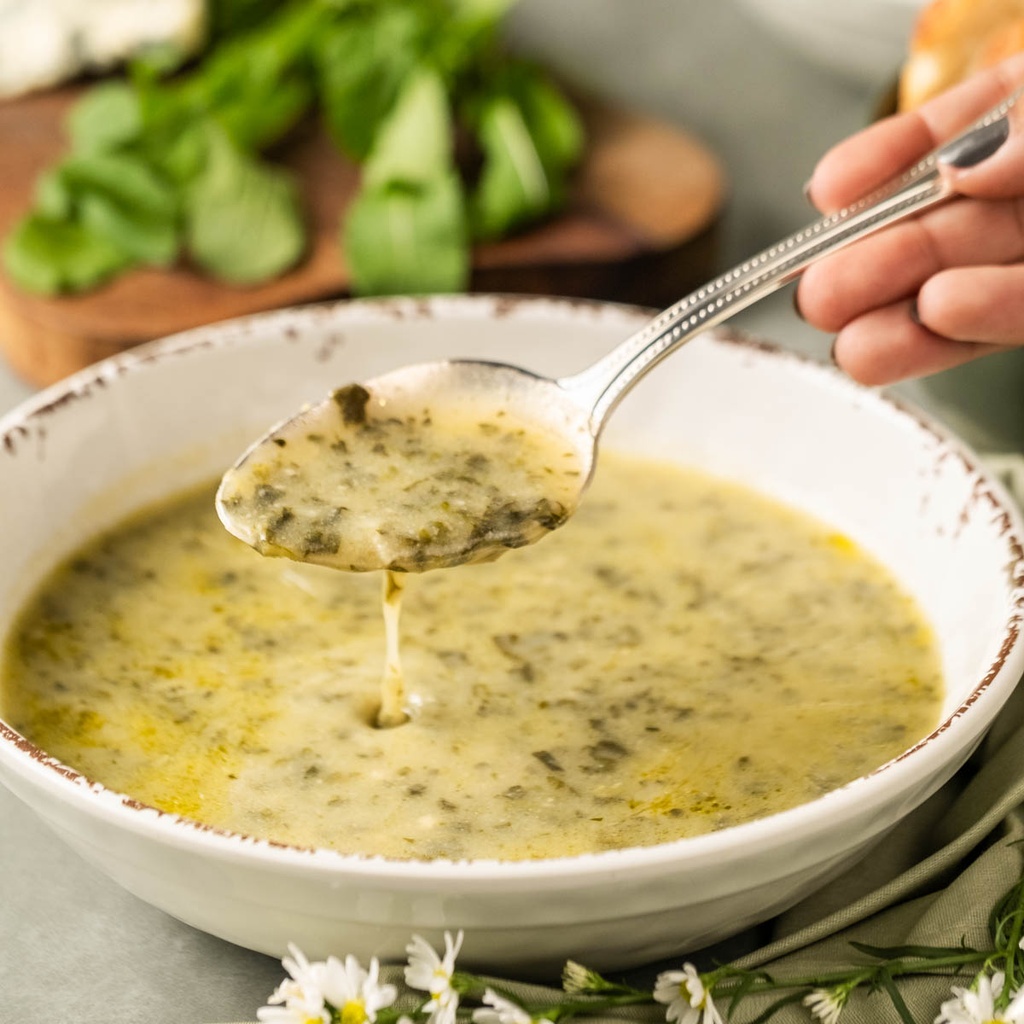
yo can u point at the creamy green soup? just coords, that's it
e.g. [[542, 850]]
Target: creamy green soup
[[393, 483], [682, 656]]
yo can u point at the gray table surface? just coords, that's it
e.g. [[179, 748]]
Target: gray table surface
[[75, 948]]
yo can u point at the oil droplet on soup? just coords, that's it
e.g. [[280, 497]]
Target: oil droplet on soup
[[687, 656]]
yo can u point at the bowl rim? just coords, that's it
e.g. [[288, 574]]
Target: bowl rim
[[35, 766]]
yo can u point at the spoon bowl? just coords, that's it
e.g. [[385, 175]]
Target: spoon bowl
[[429, 466]]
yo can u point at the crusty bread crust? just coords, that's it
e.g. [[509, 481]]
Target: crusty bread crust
[[954, 38]]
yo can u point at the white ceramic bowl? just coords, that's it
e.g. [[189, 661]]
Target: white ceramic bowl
[[77, 457], [862, 40]]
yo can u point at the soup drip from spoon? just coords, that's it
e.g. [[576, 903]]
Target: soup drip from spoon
[[445, 463]]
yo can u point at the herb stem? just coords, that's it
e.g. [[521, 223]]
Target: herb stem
[[729, 979]]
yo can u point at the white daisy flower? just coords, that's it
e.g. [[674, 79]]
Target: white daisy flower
[[294, 1012], [431, 973], [298, 999], [577, 979], [500, 1010], [688, 1001], [356, 994], [977, 1004], [826, 1004]]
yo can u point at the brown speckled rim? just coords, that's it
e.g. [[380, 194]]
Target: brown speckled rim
[[1007, 666]]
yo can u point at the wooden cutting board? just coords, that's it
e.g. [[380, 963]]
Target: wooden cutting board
[[640, 227]]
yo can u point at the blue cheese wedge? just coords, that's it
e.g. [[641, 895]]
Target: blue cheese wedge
[[46, 42]]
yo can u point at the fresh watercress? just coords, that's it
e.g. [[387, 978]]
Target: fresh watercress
[[406, 229], [530, 138], [170, 164], [243, 221]]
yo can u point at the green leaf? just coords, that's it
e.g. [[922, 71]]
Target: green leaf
[[464, 43], [115, 197], [53, 198], [778, 1004], [256, 85], [414, 144], [182, 156], [554, 124], [229, 17], [158, 60], [888, 985], [402, 239], [257, 120], [52, 256], [251, 65], [148, 238], [491, 11], [530, 137], [124, 179], [362, 63], [406, 230], [243, 219], [514, 187], [106, 117], [902, 952]]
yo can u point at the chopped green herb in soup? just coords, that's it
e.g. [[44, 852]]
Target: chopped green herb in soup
[[401, 486], [687, 656]]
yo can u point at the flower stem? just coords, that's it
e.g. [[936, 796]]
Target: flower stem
[[731, 979]]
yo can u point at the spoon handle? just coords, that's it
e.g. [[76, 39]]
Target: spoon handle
[[601, 386]]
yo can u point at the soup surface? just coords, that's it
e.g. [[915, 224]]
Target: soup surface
[[682, 656]]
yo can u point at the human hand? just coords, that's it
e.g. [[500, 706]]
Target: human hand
[[942, 289]]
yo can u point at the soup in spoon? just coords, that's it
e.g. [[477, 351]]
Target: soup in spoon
[[387, 480]]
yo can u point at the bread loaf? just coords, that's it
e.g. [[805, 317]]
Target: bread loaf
[[954, 38]]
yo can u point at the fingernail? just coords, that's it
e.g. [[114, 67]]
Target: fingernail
[[914, 313], [975, 145], [807, 191], [832, 355]]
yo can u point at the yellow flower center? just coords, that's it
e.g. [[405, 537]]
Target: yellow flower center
[[354, 1012]]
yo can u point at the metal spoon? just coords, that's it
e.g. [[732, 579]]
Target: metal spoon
[[570, 412]]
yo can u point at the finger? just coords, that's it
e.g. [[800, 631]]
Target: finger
[[870, 158], [975, 304], [863, 162], [999, 176], [888, 345], [875, 273], [894, 264]]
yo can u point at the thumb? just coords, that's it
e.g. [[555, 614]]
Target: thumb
[[987, 161]]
